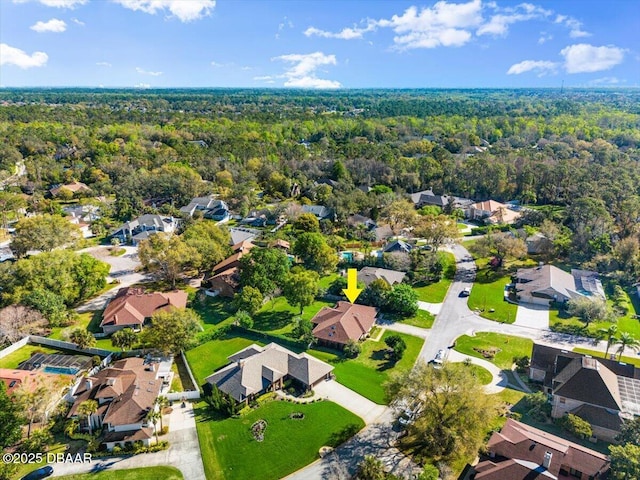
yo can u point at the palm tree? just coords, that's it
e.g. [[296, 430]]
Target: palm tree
[[153, 417], [626, 340], [611, 339], [86, 409], [162, 402]]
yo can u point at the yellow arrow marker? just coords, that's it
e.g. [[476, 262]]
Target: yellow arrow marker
[[352, 291]]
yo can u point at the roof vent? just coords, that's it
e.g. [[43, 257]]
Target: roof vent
[[547, 459]]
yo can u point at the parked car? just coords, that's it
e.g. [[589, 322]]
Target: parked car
[[438, 360], [38, 474], [466, 291]]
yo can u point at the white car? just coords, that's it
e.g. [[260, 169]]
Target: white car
[[438, 360]]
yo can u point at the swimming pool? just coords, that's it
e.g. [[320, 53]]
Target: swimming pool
[[347, 256], [60, 370]]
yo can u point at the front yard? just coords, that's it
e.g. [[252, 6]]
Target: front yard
[[498, 349], [487, 294], [230, 451], [422, 319], [147, 473], [435, 292], [367, 373]]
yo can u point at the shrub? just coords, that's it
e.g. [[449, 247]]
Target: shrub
[[164, 430], [352, 349], [576, 426], [522, 363], [116, 450]]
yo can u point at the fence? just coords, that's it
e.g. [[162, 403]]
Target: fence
[[50, 342], [188, 368], [14, 346], [187, 395]]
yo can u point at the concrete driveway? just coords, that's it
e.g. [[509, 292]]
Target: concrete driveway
[[183, 452], [432, 308], [354, 402], [124, 269], [533, 316]]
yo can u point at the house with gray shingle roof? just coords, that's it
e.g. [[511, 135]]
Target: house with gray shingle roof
[[546, 283], [370, 274], [255, 370], [211, 208], [601, 391], [145, 225]]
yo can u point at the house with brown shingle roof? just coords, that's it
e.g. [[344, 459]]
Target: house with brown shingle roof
[[493, 212], [225, 276], [125, 392], [336, 326], [602, 392], [73, 187], [522, 452], [255, 370], [131, 307]]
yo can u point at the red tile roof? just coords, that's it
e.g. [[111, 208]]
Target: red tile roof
[[131, 305], [346, 321]]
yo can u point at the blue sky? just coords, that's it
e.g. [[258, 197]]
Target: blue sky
[[319, 44]]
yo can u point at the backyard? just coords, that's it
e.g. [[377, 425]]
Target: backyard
[[276, 316], [230, 451], [499, 349], [23, 353], [367, 373]]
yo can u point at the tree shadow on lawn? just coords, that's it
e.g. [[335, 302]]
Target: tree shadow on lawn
[[382, 355], [341, 436], [94, 323], [272, 320]]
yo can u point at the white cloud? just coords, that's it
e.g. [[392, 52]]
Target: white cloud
[[606, 81], [585, 58], [216, 64], [544, 37], [54, 25], [142, 85], [344, 34], [103, 64], [302, 72], [444, 24], [543, 67], [185, 10], [14, 56], [575, 26], [57, 3], [77, 22], [146, 72], [498, 25]]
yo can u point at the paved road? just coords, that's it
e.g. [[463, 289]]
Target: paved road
[[183, 453]]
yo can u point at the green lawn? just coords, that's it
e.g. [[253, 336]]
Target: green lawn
[[212, 355], [213, 310], [326, 281], [367, 373], [483, 375], [506, 347], [435, 292], [487, 293], [230, 452], [16, 358], [276, 315], [147, 473], [561, 320], [421, 319], [597, 354]]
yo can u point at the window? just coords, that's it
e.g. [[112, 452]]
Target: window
[[563, 400], [575, 473]]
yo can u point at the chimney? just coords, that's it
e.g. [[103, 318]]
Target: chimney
[[88, 384], [547, 460]]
